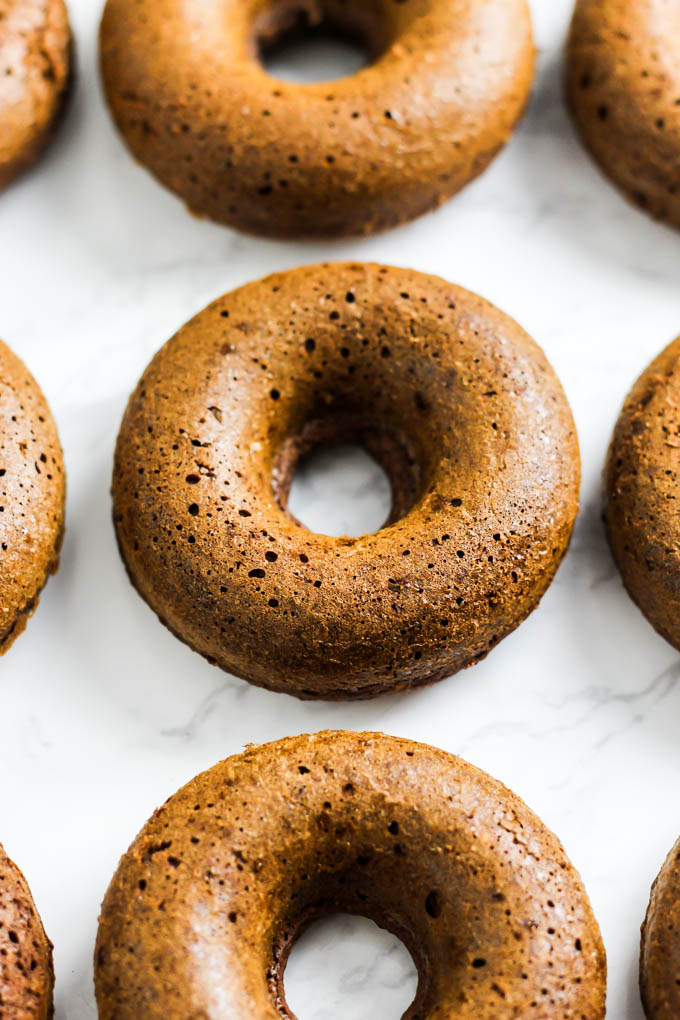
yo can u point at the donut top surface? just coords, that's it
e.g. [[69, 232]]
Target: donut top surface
[[26, 973], [205, 905], [624, 87], [35, 56], [660, 945], [642, 478], [32, 492], [447, 82], [450, 395]]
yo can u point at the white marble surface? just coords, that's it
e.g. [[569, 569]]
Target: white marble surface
[[104, 713]]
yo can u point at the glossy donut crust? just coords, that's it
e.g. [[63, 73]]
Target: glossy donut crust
[[448, 82], [660, 944], [623, 88], [205, 905], [32, 495], [26, 971], [456, 401], [35, 74], [642, 473]]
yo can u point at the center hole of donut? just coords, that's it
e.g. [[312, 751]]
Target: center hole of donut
[[340, 490], [344, 966], [318, 56], [299, 42]]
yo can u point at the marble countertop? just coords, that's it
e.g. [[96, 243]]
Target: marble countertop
[[104, 713]]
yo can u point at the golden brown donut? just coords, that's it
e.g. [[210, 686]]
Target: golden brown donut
[[207, 902], [32, 492], [448, 81], [26, 971], [449, 394], [660, 944], [624, 89], [642, 474], [35, 73]]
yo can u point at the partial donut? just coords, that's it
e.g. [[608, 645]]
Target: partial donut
[[455, 401], [26, 971], [32, 493], [642, 474], [660, 944], [207, 902], [448, 81], [623, 88], [35, 73]]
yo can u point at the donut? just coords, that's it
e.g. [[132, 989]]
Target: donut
[[188, 92], [642, 474], [455, 401], [623, 84], [26, 971], [32, 491], [660, 944], [35, 74], [209, 899]]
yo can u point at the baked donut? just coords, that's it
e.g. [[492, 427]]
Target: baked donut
[[660, 944], [447, 83], [32, 490], [35, 73], [209, 899], [26, 972], [449, 394], [642, 474], [623, 85]]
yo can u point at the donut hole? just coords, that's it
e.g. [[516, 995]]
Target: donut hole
[[308, 42], [314, 56], [352, 967], [346, 477], [340, 490]]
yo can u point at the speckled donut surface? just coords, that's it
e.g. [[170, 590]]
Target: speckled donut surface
[[448, 81], [448, 393], [35, 72], [624, 93], [32, 489], [642, 473], [26, 972], [660, 944], [207, 902]]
